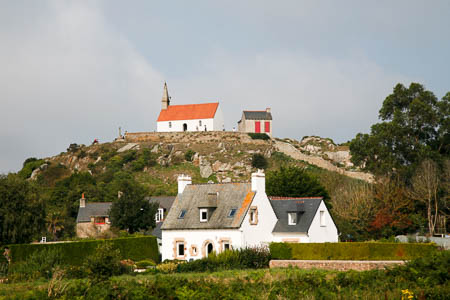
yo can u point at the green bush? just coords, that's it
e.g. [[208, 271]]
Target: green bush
[[30, 165], [350, 251], [259, 136], [143, 264], [75, 253], [244, 258], [103, 263], [39, 264], [259, 161], [189, 155]]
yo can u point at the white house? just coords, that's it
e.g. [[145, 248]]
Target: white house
[[217, 217], [190, 117]]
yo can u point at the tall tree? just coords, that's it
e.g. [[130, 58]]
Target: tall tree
[[130, 210], [415, 126], [22, 213], [425, 188]]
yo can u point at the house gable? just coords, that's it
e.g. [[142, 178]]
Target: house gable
[[305, 209]]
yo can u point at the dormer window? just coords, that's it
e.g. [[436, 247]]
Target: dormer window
[[292, 218], [159, 215], [182, 214], [203, 215], [232, 212]]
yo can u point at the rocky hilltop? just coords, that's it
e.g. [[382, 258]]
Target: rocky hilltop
[[206, 156]]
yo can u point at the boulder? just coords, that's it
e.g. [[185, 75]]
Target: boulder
[[205, 168]]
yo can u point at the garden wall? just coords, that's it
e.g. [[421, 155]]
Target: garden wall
[[339, 265], [350, 251], [75, 253]]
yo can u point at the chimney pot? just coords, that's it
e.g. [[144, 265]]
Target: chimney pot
[[82, 201]]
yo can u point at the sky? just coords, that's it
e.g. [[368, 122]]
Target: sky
[[73, 71]]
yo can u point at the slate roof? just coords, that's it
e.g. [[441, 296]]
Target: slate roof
[[257, 115], [164, 201], [196, 196], [93, 209], [188, 112], [157, 230], [305, 207]]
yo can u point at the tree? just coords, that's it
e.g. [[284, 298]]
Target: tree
[[393, 209], [130, 210], [425, 188], [22, 213], [415, 126], [294, 182]]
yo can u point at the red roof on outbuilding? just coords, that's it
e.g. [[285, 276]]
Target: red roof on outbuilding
[[188, 112]]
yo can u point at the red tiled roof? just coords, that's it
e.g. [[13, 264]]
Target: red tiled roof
[[188, 112]]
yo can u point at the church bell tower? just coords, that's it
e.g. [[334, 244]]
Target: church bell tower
[[165, 98]]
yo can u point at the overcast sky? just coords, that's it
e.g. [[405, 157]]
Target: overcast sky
[[73, 71]]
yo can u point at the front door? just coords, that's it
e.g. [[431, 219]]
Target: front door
[[257, 126], [267, 127], [209, 248], [184, 127]]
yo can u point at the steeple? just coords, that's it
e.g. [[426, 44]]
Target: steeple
[[165, 98]]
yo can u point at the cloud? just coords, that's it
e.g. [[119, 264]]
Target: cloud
[[66, 77]]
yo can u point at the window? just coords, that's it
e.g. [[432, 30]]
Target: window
[[292, 218], [182, 214], [159, 216], [193, 251], [180, 249], [322, 218], [99, 220], [226, 246], [253, 218], [170, 124], [203, 215], [199, 122], [232, 213]]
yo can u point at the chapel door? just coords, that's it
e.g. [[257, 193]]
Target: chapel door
[[257, 126], [267, 127]]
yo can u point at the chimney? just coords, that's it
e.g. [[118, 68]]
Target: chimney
[[259, 181], [268, 110], [82, 201], [183, 181]]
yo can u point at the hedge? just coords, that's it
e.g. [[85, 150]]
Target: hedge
[[259, 136], [75, 253], [351, 251]]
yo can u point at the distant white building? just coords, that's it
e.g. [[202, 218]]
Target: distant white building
[[190, 117], [217, 217]]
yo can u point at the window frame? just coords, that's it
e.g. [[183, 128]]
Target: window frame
[[322, 220], [159, 216], [178, 249], [182, 214], [253, 215], [292, 218], [203, 210], [170, 124], [232, 212]]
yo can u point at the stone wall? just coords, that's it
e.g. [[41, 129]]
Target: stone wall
[[338, 265], [186, 137], [91, 230]]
